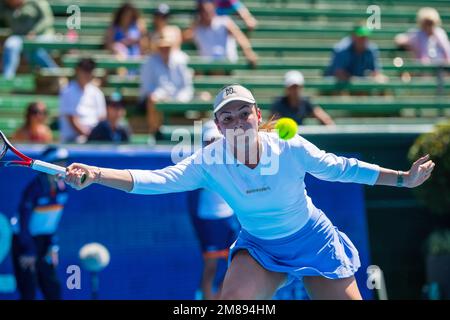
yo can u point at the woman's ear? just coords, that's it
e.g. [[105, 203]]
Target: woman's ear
[[258, 113]]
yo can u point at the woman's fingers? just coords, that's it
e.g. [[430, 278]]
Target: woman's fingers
[[430, 167], [421, 160], [427, 166], [74, 175]]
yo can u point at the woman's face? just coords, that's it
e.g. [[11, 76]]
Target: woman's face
[[206, 13], [159, 22], [164, 51], [127, 18], [39, 113], [427, 26], [238, 117]]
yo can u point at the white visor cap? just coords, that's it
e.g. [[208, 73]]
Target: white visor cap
[[231, 93]]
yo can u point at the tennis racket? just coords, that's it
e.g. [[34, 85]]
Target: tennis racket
[[25, 161]]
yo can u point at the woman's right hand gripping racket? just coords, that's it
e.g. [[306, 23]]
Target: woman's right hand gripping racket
[[25, 161]]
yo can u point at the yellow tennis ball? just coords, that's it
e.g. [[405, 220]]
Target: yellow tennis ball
[[286, 128]]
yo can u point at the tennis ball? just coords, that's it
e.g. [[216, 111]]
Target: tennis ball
[[287, 128]]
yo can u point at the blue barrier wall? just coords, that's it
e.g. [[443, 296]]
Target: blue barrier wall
[[154, 252]]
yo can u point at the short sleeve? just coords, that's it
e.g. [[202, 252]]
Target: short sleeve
[[101, 104], [376, 58], [67, 101], [308, 107], [340, 61], [148, 81]]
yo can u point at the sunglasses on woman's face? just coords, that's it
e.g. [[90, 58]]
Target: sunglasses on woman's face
[[41, 112]]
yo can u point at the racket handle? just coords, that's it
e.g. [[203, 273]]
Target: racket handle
[[49, 168], [52, 169]]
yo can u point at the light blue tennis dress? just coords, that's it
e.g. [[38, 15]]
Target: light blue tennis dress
[[281, 227]]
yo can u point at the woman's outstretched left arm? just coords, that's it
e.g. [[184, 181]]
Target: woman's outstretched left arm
[[419, 173], [329, 167]]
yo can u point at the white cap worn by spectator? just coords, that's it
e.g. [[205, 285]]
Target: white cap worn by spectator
[[293, 77], [234, 92]]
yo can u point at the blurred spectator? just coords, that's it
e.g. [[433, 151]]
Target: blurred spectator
[[27, 19], [355, 56], [294, 105], [112, 128], [127, 32], [216, 227], [228, 7], [35, 242], [35, 128], [216, 36], [82, 104], [161, 24], [165, 76], [429, 42]]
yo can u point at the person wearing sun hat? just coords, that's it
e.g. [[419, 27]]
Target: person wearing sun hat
[[429, 41], [161, 16], [355, 56], [165, 76]]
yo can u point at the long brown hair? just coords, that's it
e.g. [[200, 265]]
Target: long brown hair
[[121, 11], [31, 110], [269, 125]]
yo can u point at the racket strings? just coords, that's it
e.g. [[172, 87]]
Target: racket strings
[[3, 148]]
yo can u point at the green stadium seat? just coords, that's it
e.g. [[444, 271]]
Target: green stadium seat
[[20, 83]]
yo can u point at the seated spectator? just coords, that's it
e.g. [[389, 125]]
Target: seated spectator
[[294, 105], [126, 34], [355, 56], [111, 129], [35, 128], [82, 104], [429, 42], [32, 20], [228, 7], [161, 24], [165, 76], [216, 36]]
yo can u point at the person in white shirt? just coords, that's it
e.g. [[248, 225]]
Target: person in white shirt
[[165, 76], [284, 236], [216, 36], [82, 104]]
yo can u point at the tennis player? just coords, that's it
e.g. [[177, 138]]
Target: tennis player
[[284, 236]]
